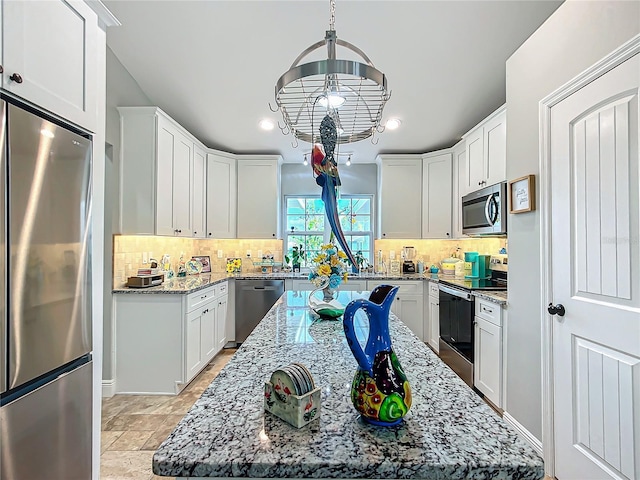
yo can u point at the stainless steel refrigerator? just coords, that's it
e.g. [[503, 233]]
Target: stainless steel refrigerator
[[45, 297]]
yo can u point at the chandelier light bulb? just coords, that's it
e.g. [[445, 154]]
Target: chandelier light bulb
[[349, 161], [332, 100], [305, 162]]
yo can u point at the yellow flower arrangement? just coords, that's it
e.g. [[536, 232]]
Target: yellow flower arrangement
[[330, 269]]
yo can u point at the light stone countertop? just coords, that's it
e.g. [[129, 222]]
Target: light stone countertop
[[449, 431], [194, 283]]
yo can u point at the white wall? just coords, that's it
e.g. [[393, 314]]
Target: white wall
[[577, 35], [122, 90], [297, 179]]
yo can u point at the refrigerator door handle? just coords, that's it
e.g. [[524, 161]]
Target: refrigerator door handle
[[3, 249]]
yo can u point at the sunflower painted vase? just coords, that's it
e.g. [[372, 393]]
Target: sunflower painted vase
[[380, 391]]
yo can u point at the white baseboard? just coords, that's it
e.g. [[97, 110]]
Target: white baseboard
[[524, 433], [108, 388]]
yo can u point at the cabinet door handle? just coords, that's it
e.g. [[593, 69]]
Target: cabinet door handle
[[209, 233], [195, 233], [273, 234], [16, 77], [1, 69]]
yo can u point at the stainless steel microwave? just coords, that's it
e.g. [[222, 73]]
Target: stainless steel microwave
[[484, 212]]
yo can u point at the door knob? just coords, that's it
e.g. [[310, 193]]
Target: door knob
[[556, 309]]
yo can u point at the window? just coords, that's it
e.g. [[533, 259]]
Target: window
[[355, 219], [306, 224], [305, 221]]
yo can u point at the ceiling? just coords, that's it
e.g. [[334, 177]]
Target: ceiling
[[212, 65]]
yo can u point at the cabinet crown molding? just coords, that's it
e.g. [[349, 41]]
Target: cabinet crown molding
[[494, 114]]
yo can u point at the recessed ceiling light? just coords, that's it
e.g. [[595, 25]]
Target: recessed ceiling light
[[266, 124], [393, 123]]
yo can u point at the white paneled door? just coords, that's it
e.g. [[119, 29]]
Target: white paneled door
[[595, 276]]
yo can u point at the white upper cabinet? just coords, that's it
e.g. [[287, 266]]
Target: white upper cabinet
[[258, 196], [436, 195], [486, 159], [175, 153], [222, 193], [495, 139], [157, 158], [198, 192], [459, 153], [49, 57], [400, 196]]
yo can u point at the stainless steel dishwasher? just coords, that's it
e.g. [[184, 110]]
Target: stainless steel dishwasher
[[254, 298]]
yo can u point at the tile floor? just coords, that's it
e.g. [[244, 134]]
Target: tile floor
[[134, 426]]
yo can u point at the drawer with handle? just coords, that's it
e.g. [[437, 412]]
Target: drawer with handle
[[221, 289], [490, 311], [433, 289], [200, 297]]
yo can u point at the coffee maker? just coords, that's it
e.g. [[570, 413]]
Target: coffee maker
[[408, 266]]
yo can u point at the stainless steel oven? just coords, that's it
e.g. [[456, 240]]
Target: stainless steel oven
[[456, 331], [484, 212]]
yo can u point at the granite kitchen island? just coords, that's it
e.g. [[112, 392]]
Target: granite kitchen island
[[449, 432]]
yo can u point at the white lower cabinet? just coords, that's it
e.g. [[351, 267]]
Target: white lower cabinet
[[408, 304], [221, 322], [350, 285], [434, 317], [193, 350], [164, 340], [487, 368]]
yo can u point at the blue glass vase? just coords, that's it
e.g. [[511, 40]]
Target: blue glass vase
[[380, 391]]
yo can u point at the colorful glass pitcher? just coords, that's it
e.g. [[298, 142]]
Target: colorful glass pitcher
[[380, 390]]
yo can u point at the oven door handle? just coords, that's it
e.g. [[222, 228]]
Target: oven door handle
[[455, 292]]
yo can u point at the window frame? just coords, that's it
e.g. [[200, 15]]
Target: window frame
[[326, 234]]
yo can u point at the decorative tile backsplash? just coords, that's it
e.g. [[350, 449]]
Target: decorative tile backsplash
[[128, 251], [434, 251]]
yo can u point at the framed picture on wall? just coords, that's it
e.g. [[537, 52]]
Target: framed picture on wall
[[205, 261], [522, 194]]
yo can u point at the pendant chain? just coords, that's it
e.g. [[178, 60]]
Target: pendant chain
[[332, 20]]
